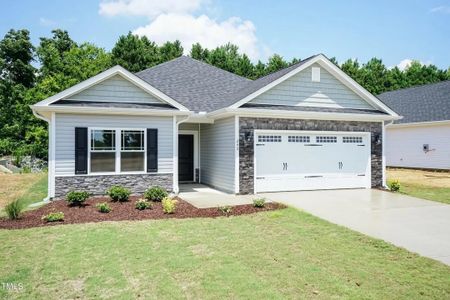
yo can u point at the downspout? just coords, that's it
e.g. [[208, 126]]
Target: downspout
[[176, 123], [49, 153], [383, 149]]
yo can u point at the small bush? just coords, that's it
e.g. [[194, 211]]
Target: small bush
[[155, 193], [226, 210], [260, 202], [77, 197], [394, 186], [142, 204], [169, 205], [118, 193], [103, 207], [53, 217], [13, 209], [25, 170]]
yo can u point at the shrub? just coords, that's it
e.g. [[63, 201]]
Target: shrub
[[225, 209], [76, 197], [13, 209], [103, 207], [260, 202], [394, 186], [53, 217], [118, 193], [155, 193], [169, 205], [142, 204]]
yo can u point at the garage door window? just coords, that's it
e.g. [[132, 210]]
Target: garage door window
[[352, 139], [269, 138], [298, 139], [326, 139]]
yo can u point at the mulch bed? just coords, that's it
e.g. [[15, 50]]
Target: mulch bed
[[121, 211]]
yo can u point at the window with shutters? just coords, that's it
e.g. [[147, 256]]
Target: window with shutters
[[117, 150]]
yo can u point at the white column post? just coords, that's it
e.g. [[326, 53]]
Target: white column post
[[175, 156]]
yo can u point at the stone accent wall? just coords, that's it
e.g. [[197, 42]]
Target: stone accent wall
[[246, 151], [98, 184]]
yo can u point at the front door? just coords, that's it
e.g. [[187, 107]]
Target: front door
[[186, 157]]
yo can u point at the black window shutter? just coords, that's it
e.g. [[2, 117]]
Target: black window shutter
[[152, 150], [81, 150]]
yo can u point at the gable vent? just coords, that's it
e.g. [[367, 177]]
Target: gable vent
[[315, 74]]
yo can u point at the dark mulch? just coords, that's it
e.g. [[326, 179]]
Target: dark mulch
[[121, 211]]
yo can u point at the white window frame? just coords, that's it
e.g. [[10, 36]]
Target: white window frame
[[118, 150]]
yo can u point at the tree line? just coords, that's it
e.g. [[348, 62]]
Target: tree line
[[30, 73]]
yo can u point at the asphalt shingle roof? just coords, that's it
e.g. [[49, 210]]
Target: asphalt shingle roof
[[319, 109], [202, 87], [113, 104], [425, 103]]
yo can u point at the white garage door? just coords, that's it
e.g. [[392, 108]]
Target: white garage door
[[305, 160]]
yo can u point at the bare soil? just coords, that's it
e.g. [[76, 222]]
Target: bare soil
[[121, 211]]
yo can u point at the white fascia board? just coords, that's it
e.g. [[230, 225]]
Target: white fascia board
[[419, 124], [333, 69], [107, 110], [312, 115], [117, 70]]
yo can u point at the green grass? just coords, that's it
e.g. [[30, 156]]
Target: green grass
[[439, 194], [271, 255], [36, 193]]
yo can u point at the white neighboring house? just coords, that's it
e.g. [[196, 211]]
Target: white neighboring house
[[422, 138], [308, 126]]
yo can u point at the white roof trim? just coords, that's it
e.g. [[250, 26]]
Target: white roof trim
[[107, 110], [418, 124], [311, 115], [335, 71], [117, 70]]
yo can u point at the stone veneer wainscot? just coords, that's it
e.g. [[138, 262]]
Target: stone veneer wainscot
[[246, 146]]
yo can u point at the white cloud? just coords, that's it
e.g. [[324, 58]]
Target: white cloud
[[443, 9], [209, 33], [148, 8], [46, 22], [171, 20], [406, 63]]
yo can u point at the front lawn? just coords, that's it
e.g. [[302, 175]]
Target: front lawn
[[29, 188], [278, 254], [428, 185]]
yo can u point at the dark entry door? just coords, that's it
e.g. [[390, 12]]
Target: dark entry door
[[186, 157]]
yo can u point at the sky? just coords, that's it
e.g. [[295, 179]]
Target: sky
[[395, 31]]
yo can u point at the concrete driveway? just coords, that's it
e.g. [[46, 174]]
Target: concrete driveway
[[418, 225]]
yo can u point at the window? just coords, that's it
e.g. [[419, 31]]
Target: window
[[326, 139], [352, 139], [132, 155], [269, 138], [103, 151], [117, 150], [298, 139]]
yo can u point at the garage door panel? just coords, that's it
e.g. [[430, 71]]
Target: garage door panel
[[287, 161]]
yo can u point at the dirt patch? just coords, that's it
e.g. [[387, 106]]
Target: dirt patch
[[121, 211], [420, 177]]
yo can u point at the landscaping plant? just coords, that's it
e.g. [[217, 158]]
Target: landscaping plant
[[155, 193], [142, 204], [118, 193], [13, 209], [53, 217], [103, 207], [77, 197], [226, 210], [169, 205], [259, 202], [394, 186]]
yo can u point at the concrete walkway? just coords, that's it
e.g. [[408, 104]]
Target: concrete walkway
[[418, 225], [202, 196]]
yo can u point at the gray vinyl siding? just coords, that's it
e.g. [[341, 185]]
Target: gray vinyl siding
[[65, 137], [115, 89], [217, 154], [189, 126], [300, 90]]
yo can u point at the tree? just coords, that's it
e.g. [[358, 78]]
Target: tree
[[170, 50], [276, 63], [135, 53]]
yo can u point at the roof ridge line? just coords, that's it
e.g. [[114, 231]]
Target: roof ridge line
[[415, 86]]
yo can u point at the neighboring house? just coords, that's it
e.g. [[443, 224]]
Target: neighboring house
[[308, 126], [422, 138]]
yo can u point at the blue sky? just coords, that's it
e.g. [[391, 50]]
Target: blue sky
[[391, 30]]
